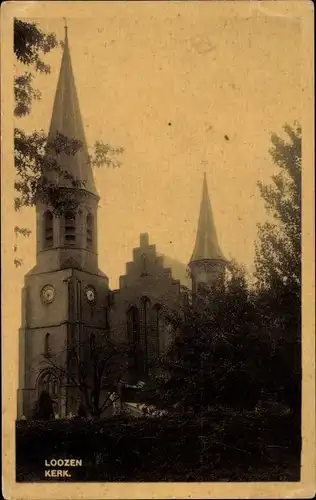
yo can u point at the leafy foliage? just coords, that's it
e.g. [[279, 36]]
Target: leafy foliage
[[104, 154], [278, 249], [278, 260], [35, 159], [24, 94], [218, 358], [29, 43]]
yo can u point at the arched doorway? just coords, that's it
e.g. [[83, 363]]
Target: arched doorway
[[48, 382]]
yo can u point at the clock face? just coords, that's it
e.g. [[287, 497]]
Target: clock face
[[48, 294], [90, 294]]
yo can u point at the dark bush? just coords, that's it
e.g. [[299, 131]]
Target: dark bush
[[82, 412], [176, 448]]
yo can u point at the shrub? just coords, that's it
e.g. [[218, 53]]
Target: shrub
[[173, 448], [82, 412]]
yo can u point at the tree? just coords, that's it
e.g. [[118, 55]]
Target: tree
[[92, 368], [239, 344], [29, 44], [33, 154], [278, 262], [278, 248], [220, 355]]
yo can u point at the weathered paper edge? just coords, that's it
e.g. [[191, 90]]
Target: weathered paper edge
[[303, 489]]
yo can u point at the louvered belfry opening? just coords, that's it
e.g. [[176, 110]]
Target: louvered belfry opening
[[70, 229], [90, 231], [48, 229]]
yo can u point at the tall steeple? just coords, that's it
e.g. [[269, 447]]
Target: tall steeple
[[65, 298], [207, 260], [66, 120], [70, 238]]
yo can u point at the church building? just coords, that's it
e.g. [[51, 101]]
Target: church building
[[67, 296]]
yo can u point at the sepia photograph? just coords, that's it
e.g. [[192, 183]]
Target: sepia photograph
[[155, 251]]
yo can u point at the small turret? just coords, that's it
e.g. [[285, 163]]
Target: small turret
[[207, 263]]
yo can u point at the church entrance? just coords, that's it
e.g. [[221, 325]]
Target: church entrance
[[49, 383]]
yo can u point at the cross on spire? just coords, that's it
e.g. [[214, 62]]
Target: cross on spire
[[66, 30], [204, 163]]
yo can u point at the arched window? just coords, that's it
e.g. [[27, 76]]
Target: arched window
[[133, 326], [48, 382], [158, 326], [70, 229], [92, 343], [47, 345], [133, 336], [48, 229], [146, 320], [89, 231]]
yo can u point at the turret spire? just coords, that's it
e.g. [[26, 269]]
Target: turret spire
[[206, 244], [66, 120]]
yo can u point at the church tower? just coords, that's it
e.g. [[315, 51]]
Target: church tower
[[73, 237], [65, 295], [207, 263]]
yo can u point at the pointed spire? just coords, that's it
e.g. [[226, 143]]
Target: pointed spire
[[206, 244], [66, 120]]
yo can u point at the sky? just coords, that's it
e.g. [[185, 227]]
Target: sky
[[184, 89]]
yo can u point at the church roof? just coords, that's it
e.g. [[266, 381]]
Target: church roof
[[67, 121], [206, 244], [179, 270]]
